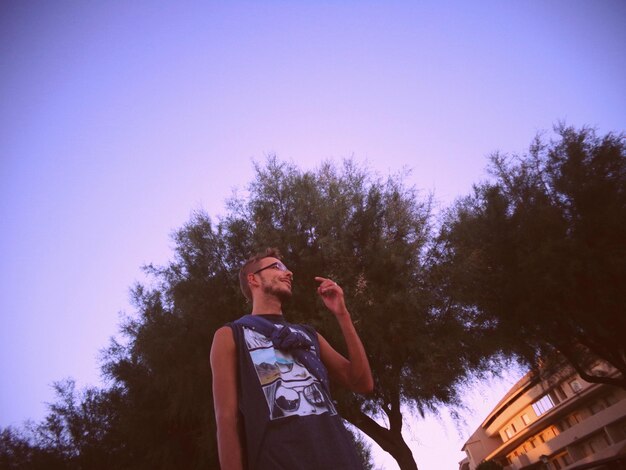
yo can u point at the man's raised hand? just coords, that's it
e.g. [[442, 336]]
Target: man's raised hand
[[332, 296]]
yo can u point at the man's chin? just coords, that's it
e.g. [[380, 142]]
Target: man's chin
[[284, 295]]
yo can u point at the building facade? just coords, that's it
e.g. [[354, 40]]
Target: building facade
[[559, 422]]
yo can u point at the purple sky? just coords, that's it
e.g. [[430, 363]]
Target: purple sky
[[118, 119]]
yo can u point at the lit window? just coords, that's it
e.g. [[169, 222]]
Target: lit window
[[543, 404], [560, 461]]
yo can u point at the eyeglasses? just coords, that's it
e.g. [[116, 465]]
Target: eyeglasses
[[289, 399], [277, 265]]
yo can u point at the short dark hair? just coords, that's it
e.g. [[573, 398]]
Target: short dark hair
[[251, 265]]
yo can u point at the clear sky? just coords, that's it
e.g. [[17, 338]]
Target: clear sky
[[118, 119]]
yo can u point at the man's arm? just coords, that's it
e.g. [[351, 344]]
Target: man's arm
[[353, 373], [224, 369]]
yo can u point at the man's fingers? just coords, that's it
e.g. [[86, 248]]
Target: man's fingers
[[325, 281], [327, 287]]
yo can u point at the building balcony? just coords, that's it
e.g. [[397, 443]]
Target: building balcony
[[572, 435]]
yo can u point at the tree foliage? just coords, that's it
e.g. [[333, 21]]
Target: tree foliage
[[536, 258], [489, 465], [78, 432]]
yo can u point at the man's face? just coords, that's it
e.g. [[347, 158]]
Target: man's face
[[275, 278]]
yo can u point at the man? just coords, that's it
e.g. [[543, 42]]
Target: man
[[270, 379]]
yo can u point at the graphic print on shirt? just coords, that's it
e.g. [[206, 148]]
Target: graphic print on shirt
[[289, 388]]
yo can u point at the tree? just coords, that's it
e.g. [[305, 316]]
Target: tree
[[489, 465], [536, 258], [16, 450], [76, 434]]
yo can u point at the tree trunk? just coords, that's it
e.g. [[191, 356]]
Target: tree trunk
[[403, 456], [390, 440]]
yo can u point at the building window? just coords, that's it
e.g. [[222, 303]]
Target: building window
[[560, 461], [543, 404], [582, 450], [575, 386], [569, 421], [598, 442], [509, 432], [595, 443], [526, 419], [560, 392], [549, 433], [610, 399], [596, 407]]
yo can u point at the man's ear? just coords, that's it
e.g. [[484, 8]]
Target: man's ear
[[252, 280]]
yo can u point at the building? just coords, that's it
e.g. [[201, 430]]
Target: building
[[559, 422]]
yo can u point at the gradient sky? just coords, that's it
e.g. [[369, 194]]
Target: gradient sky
[[118, 119]]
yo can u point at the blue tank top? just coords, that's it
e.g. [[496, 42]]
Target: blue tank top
[[289, 419]]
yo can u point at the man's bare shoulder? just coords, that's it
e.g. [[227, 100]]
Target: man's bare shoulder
[[223, 340]]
